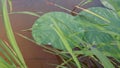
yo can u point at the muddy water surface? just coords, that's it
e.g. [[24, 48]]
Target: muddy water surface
[[34, 55]]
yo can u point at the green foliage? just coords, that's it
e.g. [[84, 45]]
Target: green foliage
[[84, 2], [99, 31], [4, 64], [95, 31], [112, 4], [97, 34], [65, 42], [104, 60], [10, 35], [96, 26], [26, 12], [44, 33], [111, 50]]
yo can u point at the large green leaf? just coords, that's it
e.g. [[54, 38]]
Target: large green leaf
[[112, 4], [60, 29], [114, 20], [44, 33], [93, 34]]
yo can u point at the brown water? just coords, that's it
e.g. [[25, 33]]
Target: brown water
[[34, 55]]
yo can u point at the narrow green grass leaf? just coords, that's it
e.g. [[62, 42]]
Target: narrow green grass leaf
[[4, 64], [10, 5], [65, 42], [7, 56], [51, 50], [27, 38], [10, 33], [65, 62], [90, 12], [86, 10], [86, 2], [103, 59], [111, 4], [26, 12], [9, 51]]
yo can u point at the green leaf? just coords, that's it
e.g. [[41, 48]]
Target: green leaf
[[118, 13], [83, 2], [26, 12], [10, 5], [112, 4], [10, 52], [44, 33], [103, 59], [4, 64], [10, 34], [8, 57], [111, 50], [105, 13], [65, 42], [93, 34]]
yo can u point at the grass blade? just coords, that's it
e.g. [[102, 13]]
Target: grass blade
[[65, 42], [10, 4], [97, 15], [26, 12], [104, 60], [4, 64], [10, 33], [7, 56], [9, 51], [86, 10]]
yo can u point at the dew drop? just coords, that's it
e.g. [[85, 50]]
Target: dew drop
[[36, 24], [49, 43]]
